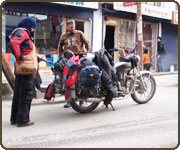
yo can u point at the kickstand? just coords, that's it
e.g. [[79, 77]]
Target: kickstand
[[112, 106]]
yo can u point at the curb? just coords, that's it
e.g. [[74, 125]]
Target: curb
[[7, 93], [39, 101], [164, 73]]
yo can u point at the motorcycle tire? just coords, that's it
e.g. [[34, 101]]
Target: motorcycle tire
[[80, 109], [152, 92]]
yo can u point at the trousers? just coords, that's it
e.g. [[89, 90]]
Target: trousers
[[22, 98], [160, 61]]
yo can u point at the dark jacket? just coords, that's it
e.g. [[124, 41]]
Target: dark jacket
[[161, 48], [105, 61]]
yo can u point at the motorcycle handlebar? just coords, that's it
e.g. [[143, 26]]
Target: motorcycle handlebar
[[114, 49], [121, 49], [42, 59]]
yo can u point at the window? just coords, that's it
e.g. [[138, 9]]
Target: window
[[49, 29], [127, 30], [46, 37], [11, 20]]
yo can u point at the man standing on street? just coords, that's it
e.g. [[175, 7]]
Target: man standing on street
[[73, 40], [160, 55]]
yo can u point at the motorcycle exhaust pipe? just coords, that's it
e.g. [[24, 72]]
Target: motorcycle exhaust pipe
[[94, 100]]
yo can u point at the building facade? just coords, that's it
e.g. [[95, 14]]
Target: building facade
[[51, 22], [121, 30], [106, 25]]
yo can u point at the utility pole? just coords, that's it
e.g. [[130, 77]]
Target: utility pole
[[139, 33]]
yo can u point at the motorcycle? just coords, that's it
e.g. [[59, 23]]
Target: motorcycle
[[140, 85]]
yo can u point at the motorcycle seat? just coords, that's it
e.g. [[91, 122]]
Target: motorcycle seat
[[124, 59]]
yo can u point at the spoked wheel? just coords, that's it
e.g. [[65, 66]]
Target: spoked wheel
[[141, 96], [83, 105]]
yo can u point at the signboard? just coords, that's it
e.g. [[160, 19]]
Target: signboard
[[92, 5], [112, 22], [147, 10], [175, 17], [128, 3]]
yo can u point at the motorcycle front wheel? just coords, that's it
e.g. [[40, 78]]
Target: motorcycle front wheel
[[83, 106], [141, 96]]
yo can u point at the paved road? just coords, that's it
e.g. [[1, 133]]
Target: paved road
[[152, 125]]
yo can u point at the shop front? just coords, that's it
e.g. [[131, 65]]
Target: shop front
[[51, 23], [122, 34], [120, 28]]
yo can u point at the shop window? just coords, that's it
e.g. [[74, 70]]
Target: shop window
[[127, 34], [11, 19], [48, 31]]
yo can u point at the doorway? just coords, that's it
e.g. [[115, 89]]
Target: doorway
[[109, 37], [80, 25], [149, 40]]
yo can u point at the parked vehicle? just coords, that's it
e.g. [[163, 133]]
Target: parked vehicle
[[140, 85]]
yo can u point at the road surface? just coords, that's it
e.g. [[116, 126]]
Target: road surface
[[151, 125]]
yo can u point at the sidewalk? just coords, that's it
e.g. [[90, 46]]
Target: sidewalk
[[39, 100], [164, 73], [162, 79]]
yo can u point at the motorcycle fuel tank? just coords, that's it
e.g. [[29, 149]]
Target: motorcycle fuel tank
[[122, 66]]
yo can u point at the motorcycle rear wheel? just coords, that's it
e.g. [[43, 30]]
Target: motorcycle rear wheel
[[142, 97], [75, 104]]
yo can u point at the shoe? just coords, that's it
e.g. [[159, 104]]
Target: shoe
[[13, 122], [67, 105], [29, 123]]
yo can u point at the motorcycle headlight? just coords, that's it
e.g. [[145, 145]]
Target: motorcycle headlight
[[135, 61], [138, 59]]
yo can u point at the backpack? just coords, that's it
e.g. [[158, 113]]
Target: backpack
[[59, 65], [71, 70]]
